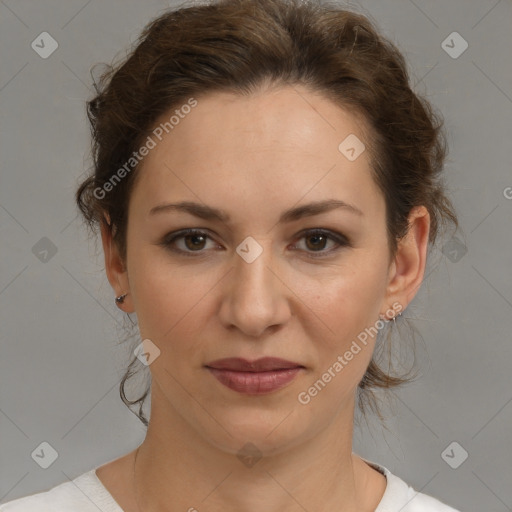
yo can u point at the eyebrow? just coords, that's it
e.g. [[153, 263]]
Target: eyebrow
[[209, 213]]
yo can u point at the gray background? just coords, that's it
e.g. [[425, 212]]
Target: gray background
[[61, 361]]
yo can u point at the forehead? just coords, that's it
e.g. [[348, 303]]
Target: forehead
[[277, 145]]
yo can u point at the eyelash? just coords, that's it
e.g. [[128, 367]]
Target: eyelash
[[340, 239]]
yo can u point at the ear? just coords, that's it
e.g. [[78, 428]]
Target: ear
[[115, 267], [408, 267]]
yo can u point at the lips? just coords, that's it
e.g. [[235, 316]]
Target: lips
[[258, 377], [264, 364]]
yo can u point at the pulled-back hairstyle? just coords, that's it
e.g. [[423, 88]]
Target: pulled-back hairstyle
[[239, 46]]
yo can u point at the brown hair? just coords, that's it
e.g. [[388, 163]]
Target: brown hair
[[240, 45]]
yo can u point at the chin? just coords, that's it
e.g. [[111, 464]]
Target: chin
[[265, 434]]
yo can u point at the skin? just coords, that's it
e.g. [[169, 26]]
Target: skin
[[255, 157]]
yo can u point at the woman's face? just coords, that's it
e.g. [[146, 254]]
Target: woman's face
[[260, 282]]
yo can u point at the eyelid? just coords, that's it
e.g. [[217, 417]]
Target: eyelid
[[339, 238], [170, 238]]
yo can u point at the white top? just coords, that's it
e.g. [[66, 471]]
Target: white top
[[86, 493]]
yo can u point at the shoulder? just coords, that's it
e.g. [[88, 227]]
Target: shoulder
[[419, 502], [400, 496], [83, 494]]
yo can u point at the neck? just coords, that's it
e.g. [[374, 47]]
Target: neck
[[176, 468]]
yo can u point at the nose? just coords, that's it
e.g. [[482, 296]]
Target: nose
[[255, 296]]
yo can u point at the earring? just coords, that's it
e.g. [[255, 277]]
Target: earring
[[394, 318], [383, 317], [120, 299]]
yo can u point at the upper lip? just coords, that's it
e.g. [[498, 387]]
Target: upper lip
[[259, 365]]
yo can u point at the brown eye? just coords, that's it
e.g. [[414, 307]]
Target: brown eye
[[317, 240], [193, 241], [196, 241]]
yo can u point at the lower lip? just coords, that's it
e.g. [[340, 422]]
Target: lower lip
[[255, 383]]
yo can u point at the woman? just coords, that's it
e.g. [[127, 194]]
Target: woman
[[267, 187]]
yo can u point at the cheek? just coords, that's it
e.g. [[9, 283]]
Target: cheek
[[348, 307], [350, 300], [168, 297]]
